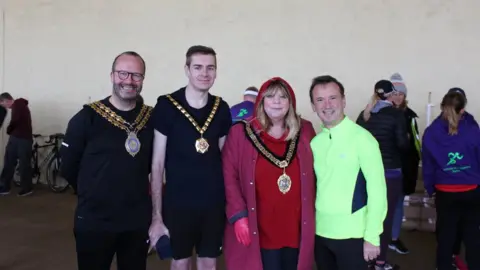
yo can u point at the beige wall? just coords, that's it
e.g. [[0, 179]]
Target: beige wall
[[58, 52]]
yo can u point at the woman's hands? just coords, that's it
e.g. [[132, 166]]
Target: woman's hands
[[242, 232]]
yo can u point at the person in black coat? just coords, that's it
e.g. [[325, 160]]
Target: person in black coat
[[388, 125]]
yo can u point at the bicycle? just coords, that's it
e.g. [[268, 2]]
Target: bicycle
[[52, 161]]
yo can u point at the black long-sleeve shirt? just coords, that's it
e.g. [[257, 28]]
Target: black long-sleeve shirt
[[112, 186]]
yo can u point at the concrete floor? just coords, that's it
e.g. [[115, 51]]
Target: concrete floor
[[36, 233]]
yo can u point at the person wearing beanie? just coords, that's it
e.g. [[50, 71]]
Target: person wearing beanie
[[244, 109], [387, 124], [410, 160], [398, 83]]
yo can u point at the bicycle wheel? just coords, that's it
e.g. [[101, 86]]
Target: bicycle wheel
[[54, 181]]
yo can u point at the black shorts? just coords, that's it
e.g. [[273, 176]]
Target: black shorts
[[192, 228]]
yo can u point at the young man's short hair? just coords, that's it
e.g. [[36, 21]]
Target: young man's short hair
[[5, 96], [325, 79], [198, 49]]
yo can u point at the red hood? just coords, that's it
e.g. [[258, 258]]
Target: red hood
[[264, 87], [21, 101]]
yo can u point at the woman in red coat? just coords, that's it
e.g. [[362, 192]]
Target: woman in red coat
[[270, 186]]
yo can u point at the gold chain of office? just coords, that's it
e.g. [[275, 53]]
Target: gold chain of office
[[132, 143], [284, 182], [201, 144]]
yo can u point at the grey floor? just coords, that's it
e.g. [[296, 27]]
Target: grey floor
[[36, 233]]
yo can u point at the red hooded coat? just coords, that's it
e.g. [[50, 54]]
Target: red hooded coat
[[239, 160]]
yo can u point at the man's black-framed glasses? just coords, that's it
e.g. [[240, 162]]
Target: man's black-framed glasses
[[123, 75]]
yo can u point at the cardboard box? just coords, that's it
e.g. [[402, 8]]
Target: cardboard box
[[410, 225], [419, 213], [412, 212], [428, 226]]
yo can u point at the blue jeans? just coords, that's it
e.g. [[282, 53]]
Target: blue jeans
[[398, 219]]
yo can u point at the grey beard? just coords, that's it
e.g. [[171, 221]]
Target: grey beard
[[117, 90]]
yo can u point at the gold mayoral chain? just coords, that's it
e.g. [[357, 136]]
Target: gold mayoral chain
[[284, 182], [201, 144], [132, 143]]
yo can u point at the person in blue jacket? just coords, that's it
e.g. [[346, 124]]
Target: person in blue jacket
[[451, 171]]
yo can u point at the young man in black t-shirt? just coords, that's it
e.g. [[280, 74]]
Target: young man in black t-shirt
[[191, 126], [106, 157]]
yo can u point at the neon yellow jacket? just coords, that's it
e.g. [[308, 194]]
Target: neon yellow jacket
[[351, 200]]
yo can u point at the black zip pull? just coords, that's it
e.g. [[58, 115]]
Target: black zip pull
[[330, 135]]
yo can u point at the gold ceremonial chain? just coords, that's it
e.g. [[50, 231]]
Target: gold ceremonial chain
[[284, 182], [201, 144], [118, 121], [132, 143]]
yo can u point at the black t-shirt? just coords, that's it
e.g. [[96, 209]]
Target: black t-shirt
[[192, 179], [113, 186]]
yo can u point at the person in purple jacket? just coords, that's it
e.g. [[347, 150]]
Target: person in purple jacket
[[466, 115], [451, 170], [244, 109], [457, 259]]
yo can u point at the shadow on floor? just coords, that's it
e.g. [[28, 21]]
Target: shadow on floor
[[37, 234]]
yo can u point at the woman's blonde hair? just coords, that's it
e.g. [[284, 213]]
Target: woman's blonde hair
[[292, 120], [367, 112], [452, 106]]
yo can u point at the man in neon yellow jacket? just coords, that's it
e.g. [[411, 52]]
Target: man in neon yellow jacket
[[351, 199]]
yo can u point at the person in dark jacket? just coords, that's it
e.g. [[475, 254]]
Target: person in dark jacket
[[451, 170], [106, 158], [19, 146], [387, 125], [410, 159]]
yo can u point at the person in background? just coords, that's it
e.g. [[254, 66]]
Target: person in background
[[451, 172], [3, 115], [191, 210], [410, 159], [457, 260], [467, 116], [271, 218], [387, 125], [244, 109], [19, 146], [106, 157], [351, 195]]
